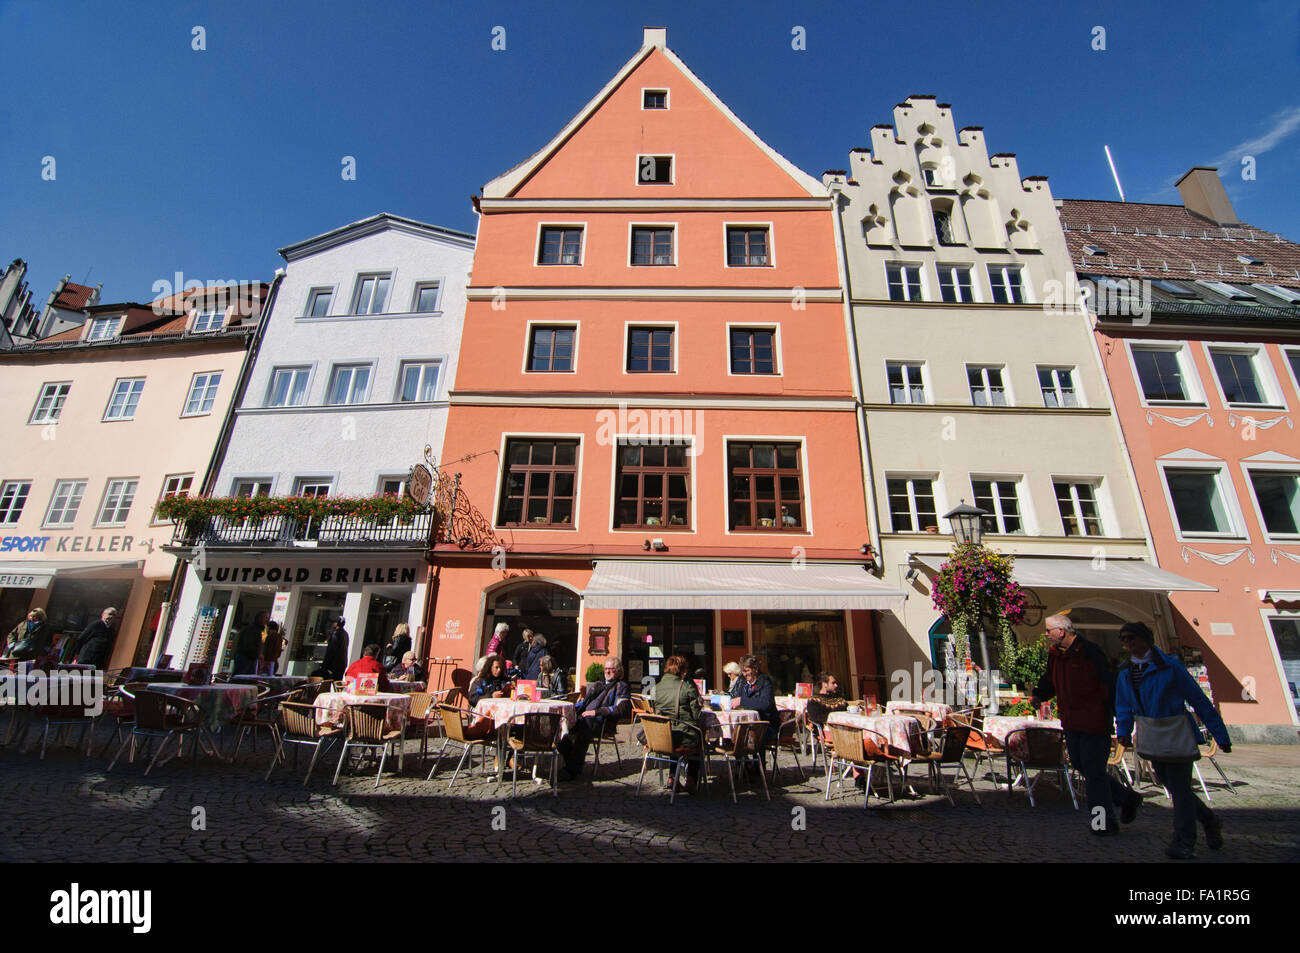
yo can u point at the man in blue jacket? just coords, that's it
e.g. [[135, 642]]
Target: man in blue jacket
[[1155, 685], [602, 705]]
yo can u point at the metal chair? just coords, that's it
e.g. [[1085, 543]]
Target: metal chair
[[368, 729], [952, 751], [659, 746], [608, 735], [1044, 750], [424, 720], [298, 726], [745, 748], [861, 748], [539, 734], [454, 727], [162, 716], [787, 739], [262, 715], [65, 718]]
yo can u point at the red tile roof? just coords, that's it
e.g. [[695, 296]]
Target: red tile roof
[[73, 297], [1168, 241]]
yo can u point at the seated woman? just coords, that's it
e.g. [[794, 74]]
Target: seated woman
[[407, 670], [754, 691], [677, 698], [491, 680], [732, 673], [550, 680]]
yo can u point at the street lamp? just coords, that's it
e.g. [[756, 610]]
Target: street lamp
[[968, 528]]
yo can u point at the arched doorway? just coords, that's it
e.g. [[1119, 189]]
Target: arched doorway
[[544, 607], [1101, 628]]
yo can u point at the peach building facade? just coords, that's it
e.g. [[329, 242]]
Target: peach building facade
[[1197, 326], [649, 431]]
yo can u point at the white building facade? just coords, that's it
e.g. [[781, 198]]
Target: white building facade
[[348, 386]]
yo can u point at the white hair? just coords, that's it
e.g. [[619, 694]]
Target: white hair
[[1060, 622]]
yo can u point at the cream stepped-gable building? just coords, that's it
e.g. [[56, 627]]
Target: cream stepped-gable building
[[980, 382], [349, 383]]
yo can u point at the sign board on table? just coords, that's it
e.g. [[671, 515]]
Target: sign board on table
[[367, 684], [526, 689]]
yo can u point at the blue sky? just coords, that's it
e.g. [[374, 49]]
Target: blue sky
[[168, 159]]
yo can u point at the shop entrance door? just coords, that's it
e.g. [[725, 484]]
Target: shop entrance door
[[545, 608], [650, 637]]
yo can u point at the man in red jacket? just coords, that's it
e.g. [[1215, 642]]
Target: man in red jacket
[[368, 664], [1079, 676]]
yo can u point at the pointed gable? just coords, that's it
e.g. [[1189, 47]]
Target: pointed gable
[[714, 155]]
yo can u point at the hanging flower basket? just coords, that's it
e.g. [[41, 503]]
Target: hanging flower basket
[[976, 582]]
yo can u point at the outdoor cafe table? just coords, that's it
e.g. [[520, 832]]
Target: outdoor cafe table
[[936, 710], [718, 724], [278, 684], [902, 732], [152, 674], [791, 703], [330, 706], [406, 686], [503, 711], [217, 703], [1000, 726]]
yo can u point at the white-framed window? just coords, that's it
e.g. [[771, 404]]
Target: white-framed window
[[418, 381], [654, 99], [176, 484], [393, 484], [1199, 498], [1277, 500], [1285, 630], [654, 170], [13, 497], [251, 486], [559, 245], [1163, 374], [49, 403], [1243, 377], [208, 319], [955, 285], [203, 393], [371, 294], [1292, 355], [986, 385], [653, 245], [349, 384], [1057, 386], [911, 503], [753, 350], [749, 246], [312, 486], [125, 398], [904, 281], [427, 296], [118, 497], [319, 302], [1076, 501], [1006, 284], [65, 501], [288, 387], [906, 382], [999, 497], [103, 329]]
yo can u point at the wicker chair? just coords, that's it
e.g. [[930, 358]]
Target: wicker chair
[[298, 726], [162, 716], [539, 734], [861, 748], [1044, 750], [263, 715], [659, 747], [787, 739], [951, 751], [985, 748], [454, 726], [608, 735], [423, 721], [744, 748], [367, 727]]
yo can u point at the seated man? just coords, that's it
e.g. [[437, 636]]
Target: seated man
[[610, 699], [826, 699], [368, 664]]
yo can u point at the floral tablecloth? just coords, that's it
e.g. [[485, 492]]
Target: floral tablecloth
[[936, 710], [999, 726], [217, 703], [718, 723], [903, 732], [330, 705], [790, 703], [502, 710]]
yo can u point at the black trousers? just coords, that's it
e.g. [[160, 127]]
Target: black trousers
[[1176, 776], [573, 746], [1088, 755]]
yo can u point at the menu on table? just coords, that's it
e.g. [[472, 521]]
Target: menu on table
[[367, 684], [526, 690], [803, 690]]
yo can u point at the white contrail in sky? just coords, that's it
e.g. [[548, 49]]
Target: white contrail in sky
[[1284, 123]]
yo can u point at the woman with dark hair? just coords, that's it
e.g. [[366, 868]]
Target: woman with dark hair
[[1156, 689], [490, 681], [754, 691], [677, 698]]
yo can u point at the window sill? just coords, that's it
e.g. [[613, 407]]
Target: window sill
[[116, 420], [567, 527]]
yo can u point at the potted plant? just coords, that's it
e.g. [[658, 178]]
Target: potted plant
[[976, 582]]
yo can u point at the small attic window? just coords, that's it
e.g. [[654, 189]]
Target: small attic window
[[654, 170], [1249, 260], [1093, 250], [1173, 288], [1231, 292], [654, 99]]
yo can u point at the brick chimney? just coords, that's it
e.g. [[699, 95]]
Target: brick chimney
[[1203, 193]]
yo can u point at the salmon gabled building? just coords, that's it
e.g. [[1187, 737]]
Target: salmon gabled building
[[652, 445]]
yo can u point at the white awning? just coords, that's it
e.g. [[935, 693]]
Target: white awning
[[1279, 595], [652, 583], [1053, 572], [39, 575]]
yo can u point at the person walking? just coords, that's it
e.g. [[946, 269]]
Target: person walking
[[1078, 677], [248, 645], [95, 644], [398, 646], [499, 635], [336, 653], [30, 639], [272, 647], [1154, 689]]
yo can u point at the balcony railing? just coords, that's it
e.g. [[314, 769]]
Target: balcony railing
[[280, 532]]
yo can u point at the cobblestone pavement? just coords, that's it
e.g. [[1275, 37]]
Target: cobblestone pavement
[[71, 809]]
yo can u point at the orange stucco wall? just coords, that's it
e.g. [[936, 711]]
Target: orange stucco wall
[[1247, 657]]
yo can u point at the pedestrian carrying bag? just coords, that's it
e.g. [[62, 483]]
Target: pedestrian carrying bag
[[1164, 739]]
